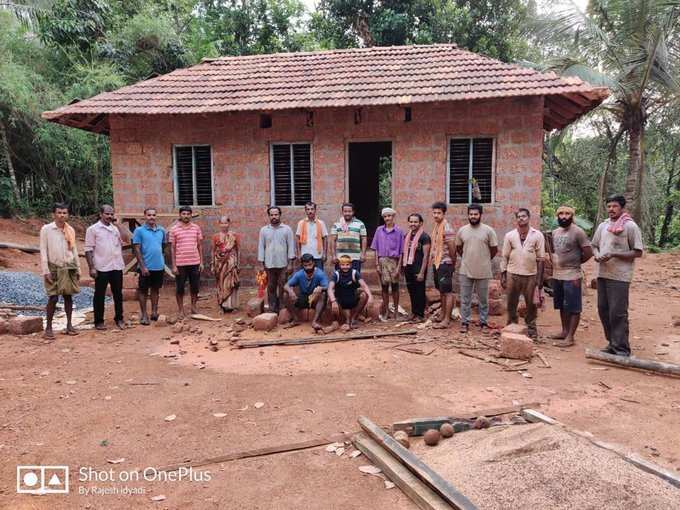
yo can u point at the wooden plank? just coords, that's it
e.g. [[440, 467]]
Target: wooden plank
[[260, 452], [442, 487], [21, 247], [633, 362], [671, 477], [534, 416], [323, 340], [418, 426], [424, 497]]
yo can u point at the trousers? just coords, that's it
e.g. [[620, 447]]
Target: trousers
[[103, 280], [612, 307], [522, 285], [481, 285]]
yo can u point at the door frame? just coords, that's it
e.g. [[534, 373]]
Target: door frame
[[348, 141]]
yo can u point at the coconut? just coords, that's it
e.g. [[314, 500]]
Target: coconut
[[431, 437], [446, 430], [482, 422]]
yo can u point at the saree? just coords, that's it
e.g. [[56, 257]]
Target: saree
[[225, 247]]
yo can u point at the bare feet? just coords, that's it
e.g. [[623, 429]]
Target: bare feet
[[441, 325], [567, 342], [120, 324], [317, 327], [464, 328], [71, 331], [48, 334], [558, 336], [345, 327], [292, 324], [144, 321], [101, 326], [485, 329]]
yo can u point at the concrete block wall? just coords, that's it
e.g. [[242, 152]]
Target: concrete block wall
[[142, 163]]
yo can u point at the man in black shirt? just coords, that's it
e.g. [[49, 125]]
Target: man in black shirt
[[348, 293], [416, 249]]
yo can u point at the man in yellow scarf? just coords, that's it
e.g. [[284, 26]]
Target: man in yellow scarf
[[60, 266], [443, 258]]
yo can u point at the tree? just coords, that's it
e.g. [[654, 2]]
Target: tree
[[626, 45]]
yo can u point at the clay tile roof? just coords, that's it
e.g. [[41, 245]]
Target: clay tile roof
[[338, 78]]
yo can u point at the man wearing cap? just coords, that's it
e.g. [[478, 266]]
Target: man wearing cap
[[571, 249], [388, 243], [312, 284]]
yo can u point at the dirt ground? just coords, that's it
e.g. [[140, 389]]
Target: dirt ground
[[99, 397]]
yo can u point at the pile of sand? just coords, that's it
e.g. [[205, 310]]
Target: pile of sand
[[544, 467]]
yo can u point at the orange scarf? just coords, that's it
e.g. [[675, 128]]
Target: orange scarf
[[438, 242], [304, 236], [69, 235]]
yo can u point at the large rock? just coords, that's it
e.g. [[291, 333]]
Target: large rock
[[265, 321], [496, 307], [284, 316], [516, 346], [255, 306], [25, 325], [432, 295], [372, 311], [518, 329], [4, 326], [495, 290]]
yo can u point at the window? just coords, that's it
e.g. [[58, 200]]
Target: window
[[193, 175], [470, 161], [291, 173]]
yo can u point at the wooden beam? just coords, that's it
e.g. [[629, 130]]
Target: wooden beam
[[579, 100], [324, 340], [442, 487], [260, 452], [534, 416], [21, 247], [565, 103], [421, 494], [633, 362], [418, 426]]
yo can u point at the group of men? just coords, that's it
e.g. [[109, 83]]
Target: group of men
[[615, 245]]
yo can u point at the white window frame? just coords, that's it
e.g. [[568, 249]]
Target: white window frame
[[193, 174], [448, 168], [272, 190]]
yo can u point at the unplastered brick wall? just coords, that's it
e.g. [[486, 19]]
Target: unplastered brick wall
[[142, 163]]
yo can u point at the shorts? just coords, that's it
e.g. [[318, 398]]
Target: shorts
[[193, 273], [443, 278], [349, 301], [154, 280], [567, 295], [389, 270], [303, 301]]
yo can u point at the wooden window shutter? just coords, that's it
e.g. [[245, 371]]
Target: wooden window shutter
[[203, 171], [184, 167], [482, 167], [302, 173], [281, 181], [459, 170]]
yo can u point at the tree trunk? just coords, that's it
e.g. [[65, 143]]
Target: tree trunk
[[635, 178], [670, 208], [10, 167]]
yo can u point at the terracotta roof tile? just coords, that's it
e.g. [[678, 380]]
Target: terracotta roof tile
[[355, 77]]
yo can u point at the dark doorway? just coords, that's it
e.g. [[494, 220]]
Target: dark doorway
[[370, 181]]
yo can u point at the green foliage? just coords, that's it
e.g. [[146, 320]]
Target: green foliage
[[385, 182]]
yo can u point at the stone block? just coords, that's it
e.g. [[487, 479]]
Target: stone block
[[25, 325], [495, 290], [496, 307], [372, 311], [265, 321], [516, 346], [255, 306], [432, 296], [129, 294], [518, 329], [284, 316], [130, 280], [4, 326]]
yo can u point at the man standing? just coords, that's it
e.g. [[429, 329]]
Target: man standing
[[104, 254], [276, 251], [60, 266], [443, 259], [477, 244], [187, 258], [312, 284], [388, 243], [148, 242], [522, 268], [415, 254], [616, 245], [348, 237], [572, 248], [312, 236]]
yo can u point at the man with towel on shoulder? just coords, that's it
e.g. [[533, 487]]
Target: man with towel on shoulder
[[60, 266], [312, 236]]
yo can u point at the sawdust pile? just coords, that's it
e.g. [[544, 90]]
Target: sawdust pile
[[540, 466]]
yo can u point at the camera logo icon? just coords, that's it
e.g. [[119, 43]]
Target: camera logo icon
[[42, 479]]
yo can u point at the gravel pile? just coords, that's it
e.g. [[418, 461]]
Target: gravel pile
[[540, 466], [27, 289]]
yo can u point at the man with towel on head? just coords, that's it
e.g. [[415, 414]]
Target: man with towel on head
[[572, 248], [388, 243], [60, 266]]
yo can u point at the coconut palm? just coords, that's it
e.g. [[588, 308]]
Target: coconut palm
[[628, 46]]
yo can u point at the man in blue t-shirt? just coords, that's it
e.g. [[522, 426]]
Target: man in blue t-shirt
[[148, 242], [348, 293], [312, 284]]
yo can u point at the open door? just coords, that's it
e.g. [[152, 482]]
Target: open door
[[370, 181]]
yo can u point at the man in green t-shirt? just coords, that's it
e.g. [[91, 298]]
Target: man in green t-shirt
[[348, 237]]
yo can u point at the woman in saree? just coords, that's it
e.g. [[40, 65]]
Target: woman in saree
[[225, 265]]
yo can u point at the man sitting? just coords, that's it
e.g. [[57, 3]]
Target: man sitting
[[348, 293], [312, 284]]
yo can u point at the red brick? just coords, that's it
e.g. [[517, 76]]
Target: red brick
[[25, 325], [516, 346], [265, 321], [496, 307]]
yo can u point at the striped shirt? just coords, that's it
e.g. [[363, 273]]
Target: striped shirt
[[349, 243], [186, 241]]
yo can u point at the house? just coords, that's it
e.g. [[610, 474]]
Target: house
[[408, 124]]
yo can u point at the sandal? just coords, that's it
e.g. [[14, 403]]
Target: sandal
[[154, 316], [464, 328], [144, 322]]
